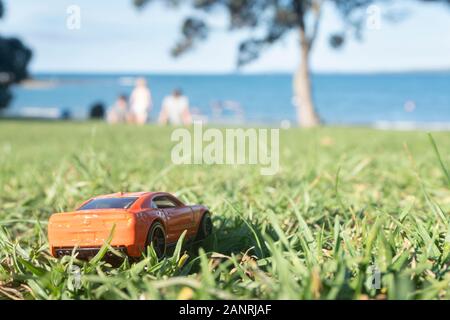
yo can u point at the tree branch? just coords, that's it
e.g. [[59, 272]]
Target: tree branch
[[317, 10]]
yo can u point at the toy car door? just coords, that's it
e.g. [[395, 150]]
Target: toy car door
[[179, 217]]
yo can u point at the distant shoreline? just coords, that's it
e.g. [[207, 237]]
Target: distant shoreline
[[54, 81], [33, 83]]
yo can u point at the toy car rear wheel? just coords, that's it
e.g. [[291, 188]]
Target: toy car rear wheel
[[157, 238], [206, 227]]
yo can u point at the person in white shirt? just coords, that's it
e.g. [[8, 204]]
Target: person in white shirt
[[140, 102], [175, 110]]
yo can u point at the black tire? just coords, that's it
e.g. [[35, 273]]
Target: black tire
[[157, 237], [206, 227]]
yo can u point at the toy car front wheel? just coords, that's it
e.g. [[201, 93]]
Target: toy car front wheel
[[206, 227], [157, 238]]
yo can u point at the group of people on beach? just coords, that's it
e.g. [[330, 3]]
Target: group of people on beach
[[136, 109]]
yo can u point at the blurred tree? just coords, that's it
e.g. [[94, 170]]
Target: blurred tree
[[14, 59], [277, 18]]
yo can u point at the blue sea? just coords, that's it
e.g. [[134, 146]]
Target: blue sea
[[402, 99]]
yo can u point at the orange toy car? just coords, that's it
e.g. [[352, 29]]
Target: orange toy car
[[140, 219]]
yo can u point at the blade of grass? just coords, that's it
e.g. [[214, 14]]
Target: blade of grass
[[438, 155]]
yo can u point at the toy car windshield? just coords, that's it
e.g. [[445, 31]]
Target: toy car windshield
[[109, 203]]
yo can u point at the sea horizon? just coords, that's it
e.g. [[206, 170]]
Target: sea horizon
[[240, 73]]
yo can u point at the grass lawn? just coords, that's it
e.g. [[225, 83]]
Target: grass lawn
[[344, 201]]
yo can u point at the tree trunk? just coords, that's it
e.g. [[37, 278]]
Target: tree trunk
[[306, 114]]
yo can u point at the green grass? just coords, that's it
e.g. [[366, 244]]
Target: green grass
[[345, 199]]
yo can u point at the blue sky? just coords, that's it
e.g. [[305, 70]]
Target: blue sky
[[115, 37]]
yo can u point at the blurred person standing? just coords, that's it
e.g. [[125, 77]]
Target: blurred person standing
[[140, 102], [175, 109], [119, 111]]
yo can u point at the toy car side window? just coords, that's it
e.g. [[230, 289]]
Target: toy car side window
[[163, 202], [153, 205], [149, 204]]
